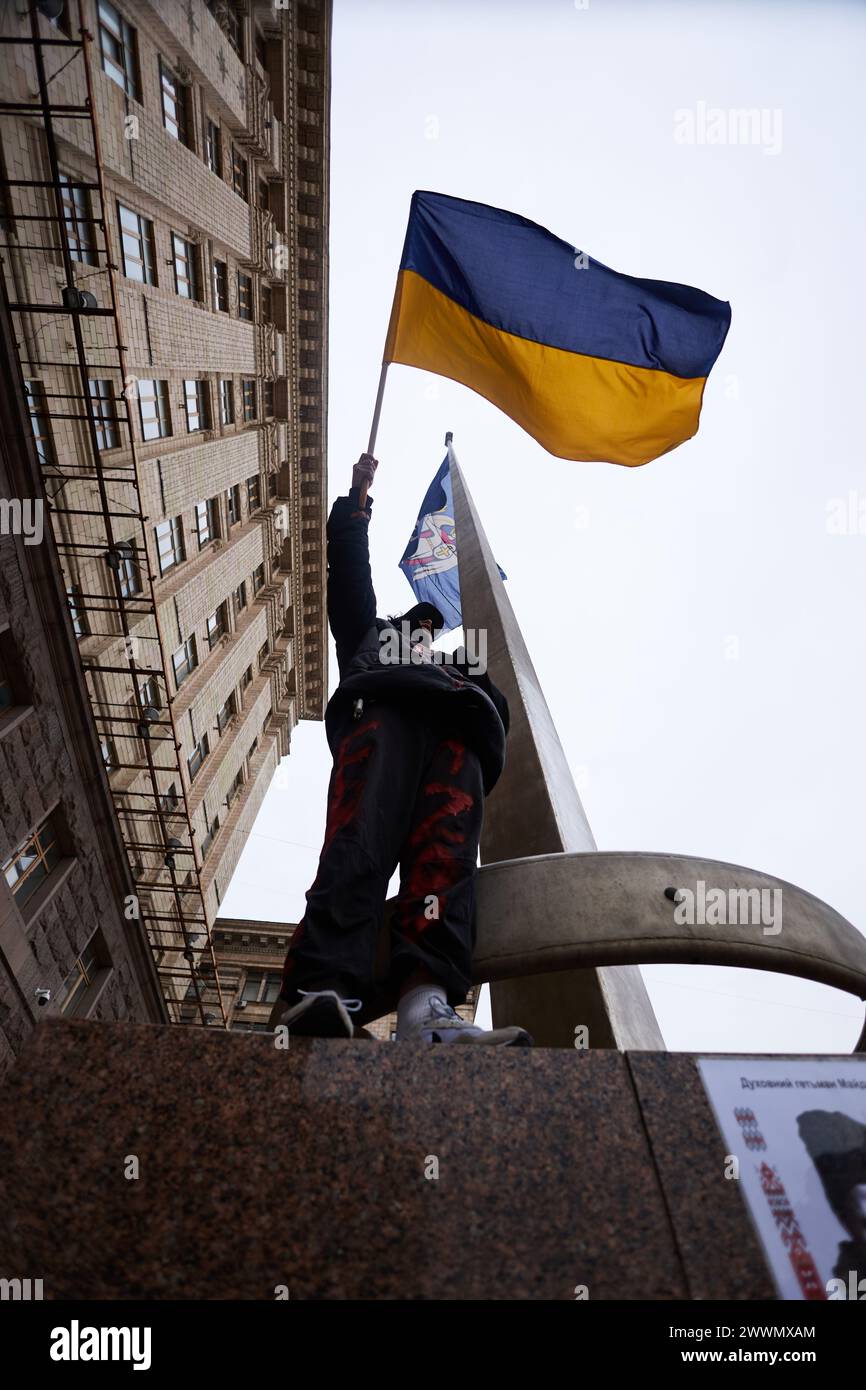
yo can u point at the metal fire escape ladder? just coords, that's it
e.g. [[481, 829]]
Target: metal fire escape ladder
[[180, 938]]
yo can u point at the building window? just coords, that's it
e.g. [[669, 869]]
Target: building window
[[247, 678], [241, 597], [213, 148], [196, 405], [235, 787], [117, 45], [128, 574], [170, 548], [228, 18], [254, 496], [221, 286], [258, 579], [105, 414], [267, 304], [35, 396], [245, 296], [240, 175], [86, 975], [233, 498], [32, 862], [184, 660], [78, 220], [226, 713], [272, 486], [217, 626], [175, 105], [199, 753], [109, 753], [268, 394], [227, 402], [252, 748], [209, 838], [154, 409], [249, 395], [261, 987], [186, 281], [264, 653], [76, 611], [149, 693], [169, 801], [136, 236], [206, 518]]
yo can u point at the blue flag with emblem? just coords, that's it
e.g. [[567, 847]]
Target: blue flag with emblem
[[430, 559]]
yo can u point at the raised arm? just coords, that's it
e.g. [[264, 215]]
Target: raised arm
[[351, 600]]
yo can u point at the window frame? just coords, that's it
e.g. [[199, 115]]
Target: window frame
[[227, 401], [240, 169], [213, 146], [189, 650], [249, 394], [125, 40], [220, 285], [143, 235], [211, 520], [177, 544], [42, 437], [196, 760], [47, 853], [219, 619], [185, 262], [176, 94], [161, 415], [77, 212], [245, 297], [107, 423], [202, 404]]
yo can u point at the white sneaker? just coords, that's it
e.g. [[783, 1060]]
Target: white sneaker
[[321, 1013], [441, 1024]]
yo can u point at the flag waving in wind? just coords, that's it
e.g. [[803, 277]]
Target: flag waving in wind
[[592, 363], [430, 559]]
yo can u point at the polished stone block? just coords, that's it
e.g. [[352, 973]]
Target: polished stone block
[[312, 1169]]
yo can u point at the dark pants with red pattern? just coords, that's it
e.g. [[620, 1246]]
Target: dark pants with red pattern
[[405, 790]]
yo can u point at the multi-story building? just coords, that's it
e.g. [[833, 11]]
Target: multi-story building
[[164, 206]]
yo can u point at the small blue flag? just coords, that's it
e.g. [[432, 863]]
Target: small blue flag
[[430, 559]]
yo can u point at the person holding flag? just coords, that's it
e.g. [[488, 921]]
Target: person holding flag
[[417, 745]]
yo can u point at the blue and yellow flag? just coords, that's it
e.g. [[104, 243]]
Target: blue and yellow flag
[[592, 363]]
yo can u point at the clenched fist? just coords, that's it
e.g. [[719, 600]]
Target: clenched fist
[[362, 473]]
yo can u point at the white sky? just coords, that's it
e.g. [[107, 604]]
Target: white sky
[[707, 672]]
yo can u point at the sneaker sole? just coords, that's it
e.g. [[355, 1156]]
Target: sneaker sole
[[321, 1020], [493, 1037]]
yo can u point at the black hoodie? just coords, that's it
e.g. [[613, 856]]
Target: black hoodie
[[471, 702]]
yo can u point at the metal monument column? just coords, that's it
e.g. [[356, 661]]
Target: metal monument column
[[535, 809]]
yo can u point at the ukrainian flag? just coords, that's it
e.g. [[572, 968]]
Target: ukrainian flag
[[593, 364]]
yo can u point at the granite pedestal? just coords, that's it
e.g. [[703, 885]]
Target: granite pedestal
[[165, 1163]]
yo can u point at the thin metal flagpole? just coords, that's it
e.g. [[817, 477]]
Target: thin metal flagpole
[[374, 428]]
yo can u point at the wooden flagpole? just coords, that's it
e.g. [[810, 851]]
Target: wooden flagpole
[[374, 428]]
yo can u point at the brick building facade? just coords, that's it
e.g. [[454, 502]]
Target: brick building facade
[[177, 412]]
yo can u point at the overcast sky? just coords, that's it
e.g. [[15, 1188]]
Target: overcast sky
[[697, 624]]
